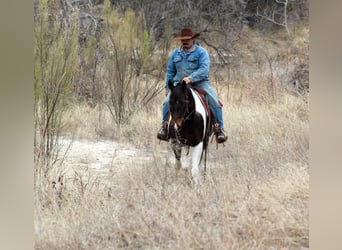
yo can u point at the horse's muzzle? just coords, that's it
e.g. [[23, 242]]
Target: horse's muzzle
[[178, 121]]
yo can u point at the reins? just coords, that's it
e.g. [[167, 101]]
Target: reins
[[185, 118], [187, 101], [206, 136], [189, 110]]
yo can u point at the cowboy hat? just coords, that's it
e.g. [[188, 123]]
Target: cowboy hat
[[185, 34]]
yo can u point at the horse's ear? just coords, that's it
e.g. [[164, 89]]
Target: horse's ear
[[170, 84], [183, 85]]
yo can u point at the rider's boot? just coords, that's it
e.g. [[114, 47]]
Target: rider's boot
[[163, 134], [219, 134]]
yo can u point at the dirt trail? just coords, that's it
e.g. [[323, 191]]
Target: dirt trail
[[100, 155]]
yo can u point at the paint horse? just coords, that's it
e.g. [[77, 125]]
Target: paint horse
[[189, 125]]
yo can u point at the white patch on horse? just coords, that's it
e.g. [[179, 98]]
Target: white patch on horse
[[196, 158], [197, 150], [200, 109]]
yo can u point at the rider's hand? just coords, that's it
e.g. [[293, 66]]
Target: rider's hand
[[187, 80], [166, 92]]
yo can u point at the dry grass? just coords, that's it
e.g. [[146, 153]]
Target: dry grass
[[148, 208], [255, 195]]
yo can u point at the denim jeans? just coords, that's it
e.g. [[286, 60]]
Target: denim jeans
[[211, 97]]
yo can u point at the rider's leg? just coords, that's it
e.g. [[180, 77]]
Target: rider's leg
[[216, 110], [166, 108], [162, 134], [212, 99]]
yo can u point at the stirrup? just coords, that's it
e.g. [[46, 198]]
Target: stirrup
[[220, 136], [163, 133]]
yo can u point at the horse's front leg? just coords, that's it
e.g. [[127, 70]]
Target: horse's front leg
[[196, 158], [177, 150]]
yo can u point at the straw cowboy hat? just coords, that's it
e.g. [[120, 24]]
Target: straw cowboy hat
[[185, 34]]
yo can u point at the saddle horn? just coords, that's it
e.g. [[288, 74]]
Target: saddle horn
[[170, 84], [183, 85]]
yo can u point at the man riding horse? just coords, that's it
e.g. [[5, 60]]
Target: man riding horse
[[190, 63]]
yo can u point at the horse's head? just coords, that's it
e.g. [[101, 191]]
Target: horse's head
[[179, 101]]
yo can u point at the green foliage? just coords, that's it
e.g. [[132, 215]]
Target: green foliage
[[121, 61], [129, 84], [55, 51]]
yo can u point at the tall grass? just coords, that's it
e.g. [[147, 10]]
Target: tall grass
[[255, 195]]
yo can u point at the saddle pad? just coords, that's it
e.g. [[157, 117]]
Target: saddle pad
[[201, 94]]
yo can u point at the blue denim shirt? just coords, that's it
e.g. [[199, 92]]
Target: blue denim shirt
[[194, 64]]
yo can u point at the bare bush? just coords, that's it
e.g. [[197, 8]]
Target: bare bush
[[131, 77], [56, 43]]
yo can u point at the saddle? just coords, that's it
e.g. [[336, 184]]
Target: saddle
[[202, 93], [210, 118]]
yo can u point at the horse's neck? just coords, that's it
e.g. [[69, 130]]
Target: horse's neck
[[198, 103], [191, 100]]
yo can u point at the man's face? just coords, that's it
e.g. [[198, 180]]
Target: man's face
[[187, 44]]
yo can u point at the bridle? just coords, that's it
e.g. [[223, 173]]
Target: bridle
[[187, 114], [187, 101], [177, 140]]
